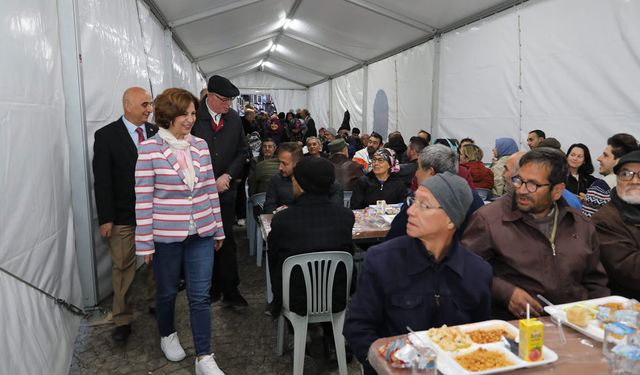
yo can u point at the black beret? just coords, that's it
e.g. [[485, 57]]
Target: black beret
[[222, 86], [314, 175], [632, 157]]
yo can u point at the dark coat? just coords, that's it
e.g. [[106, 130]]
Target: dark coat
[[114, 164], [280, 193], [311, 128], [368, 190], [581, 184], [311, 223], [228, 147], [407, 172], [401, 285], [522, 257], [347, 172], [619, 249]]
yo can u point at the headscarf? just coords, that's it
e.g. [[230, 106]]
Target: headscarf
[[390, 156], [505, 147]]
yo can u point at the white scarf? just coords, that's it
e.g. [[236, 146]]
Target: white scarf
[[182, 149]]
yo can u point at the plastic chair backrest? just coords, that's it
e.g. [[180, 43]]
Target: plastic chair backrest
[[319, 270], [258, 199], [347, 198]]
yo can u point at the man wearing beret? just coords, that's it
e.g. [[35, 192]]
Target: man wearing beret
[[424, 279], [618, 227], [347, 172], [219, 125]]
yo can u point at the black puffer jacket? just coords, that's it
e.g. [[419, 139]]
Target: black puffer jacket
[[367, 190]]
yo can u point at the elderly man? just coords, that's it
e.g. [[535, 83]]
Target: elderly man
[[422, 280], [535, 242], [534, 138], [330, 135], [363, 157], [309, 123], [115, 152], [598, 193], [433, 159], [618, 227], [347, 172], [219, 125]]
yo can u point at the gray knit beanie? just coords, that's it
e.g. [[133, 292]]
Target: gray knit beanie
[[453, 193]]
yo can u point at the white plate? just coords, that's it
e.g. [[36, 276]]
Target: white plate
[[446, 360], [593, 330]]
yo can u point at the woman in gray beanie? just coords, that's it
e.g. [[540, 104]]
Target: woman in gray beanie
[[424, 279]]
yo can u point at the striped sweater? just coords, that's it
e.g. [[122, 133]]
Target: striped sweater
[[164, 203]]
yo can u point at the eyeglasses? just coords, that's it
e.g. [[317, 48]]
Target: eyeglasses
[[378, 160], [412, 200], [223, 99], [627, 175], [531, 186]]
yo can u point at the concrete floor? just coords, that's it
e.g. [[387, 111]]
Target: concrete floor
[[243, 341]]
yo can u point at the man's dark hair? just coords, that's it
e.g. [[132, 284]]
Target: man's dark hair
[[417, 144], [587, 167], [293, 148], [463, 140], [428, 135], [539, 133], [355, 131], [622, 144], [554, 159], [376, 135]]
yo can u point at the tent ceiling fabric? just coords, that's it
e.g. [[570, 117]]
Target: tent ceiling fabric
[[323, 40]]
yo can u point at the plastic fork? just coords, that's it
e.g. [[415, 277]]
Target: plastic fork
[[556, 319]]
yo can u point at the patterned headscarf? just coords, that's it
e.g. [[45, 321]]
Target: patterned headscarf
[[390, 156]]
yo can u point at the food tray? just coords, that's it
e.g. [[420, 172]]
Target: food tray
[[594, 330], [449, 366]]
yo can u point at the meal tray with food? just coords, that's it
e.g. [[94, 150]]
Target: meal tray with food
[[477, 348], [581, 315]]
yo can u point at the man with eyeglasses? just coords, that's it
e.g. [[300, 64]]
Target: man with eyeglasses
[[618, 227], [219, 125], [115, 152], [535, 242], [423, 279]]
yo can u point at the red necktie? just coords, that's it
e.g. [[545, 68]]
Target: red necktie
[[218, 126], [140, 135]]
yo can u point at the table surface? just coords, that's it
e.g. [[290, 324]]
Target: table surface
[[364, 227], [580, 355]]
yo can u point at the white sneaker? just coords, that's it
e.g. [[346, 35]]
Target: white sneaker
[[242, 222], [171, 347], [207, 366]]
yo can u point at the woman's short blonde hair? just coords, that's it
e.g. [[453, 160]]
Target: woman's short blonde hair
[[170, 104], [472, 152]]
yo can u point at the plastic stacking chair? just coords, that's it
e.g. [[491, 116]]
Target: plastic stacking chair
[[347, 198], [485, 194], [319, 270], [252, 225]]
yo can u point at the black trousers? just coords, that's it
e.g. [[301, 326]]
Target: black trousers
[[225, 266]]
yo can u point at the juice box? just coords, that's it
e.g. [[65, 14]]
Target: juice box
[[531, 339]]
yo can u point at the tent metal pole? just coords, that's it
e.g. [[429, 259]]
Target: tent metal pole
[[79, 173], [435, 88], [365, 98], [330, 124]]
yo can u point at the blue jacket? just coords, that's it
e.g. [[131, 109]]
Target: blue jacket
[[402, 286]]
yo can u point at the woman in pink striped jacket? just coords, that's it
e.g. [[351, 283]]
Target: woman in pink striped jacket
[[178, 222]]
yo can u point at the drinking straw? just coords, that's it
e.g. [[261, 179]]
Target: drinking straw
[[528, 312]]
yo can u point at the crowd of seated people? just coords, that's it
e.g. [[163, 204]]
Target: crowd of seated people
[[542, 197]]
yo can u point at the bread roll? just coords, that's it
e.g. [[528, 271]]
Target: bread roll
[[579, 315]]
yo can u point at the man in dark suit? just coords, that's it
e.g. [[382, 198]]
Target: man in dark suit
[[219, 125], [309, 123], [115, 154]]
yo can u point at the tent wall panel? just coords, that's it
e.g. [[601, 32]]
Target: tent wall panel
[[382, 97], [182, 71], [286, 100], [318, 104], [154, 48], [348, 95], [37, 235]]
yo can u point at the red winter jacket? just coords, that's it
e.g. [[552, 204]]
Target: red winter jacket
[[482, 176]]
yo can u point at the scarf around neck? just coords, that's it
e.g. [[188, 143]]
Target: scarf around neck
[[630, 212], [181, 147]]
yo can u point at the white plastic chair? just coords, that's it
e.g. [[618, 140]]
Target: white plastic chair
[[347, 198], [319, 270], [253, 228]]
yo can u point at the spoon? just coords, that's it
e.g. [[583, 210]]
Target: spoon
[[555, 318]]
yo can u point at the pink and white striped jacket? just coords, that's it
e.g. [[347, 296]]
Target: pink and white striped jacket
[[164, 203]]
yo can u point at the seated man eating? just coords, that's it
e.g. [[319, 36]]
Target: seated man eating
[[424, 279]]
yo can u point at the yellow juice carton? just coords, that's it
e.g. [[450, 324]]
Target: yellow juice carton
[[531, 339]]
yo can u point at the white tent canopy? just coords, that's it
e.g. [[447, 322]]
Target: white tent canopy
[[457, 68]]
